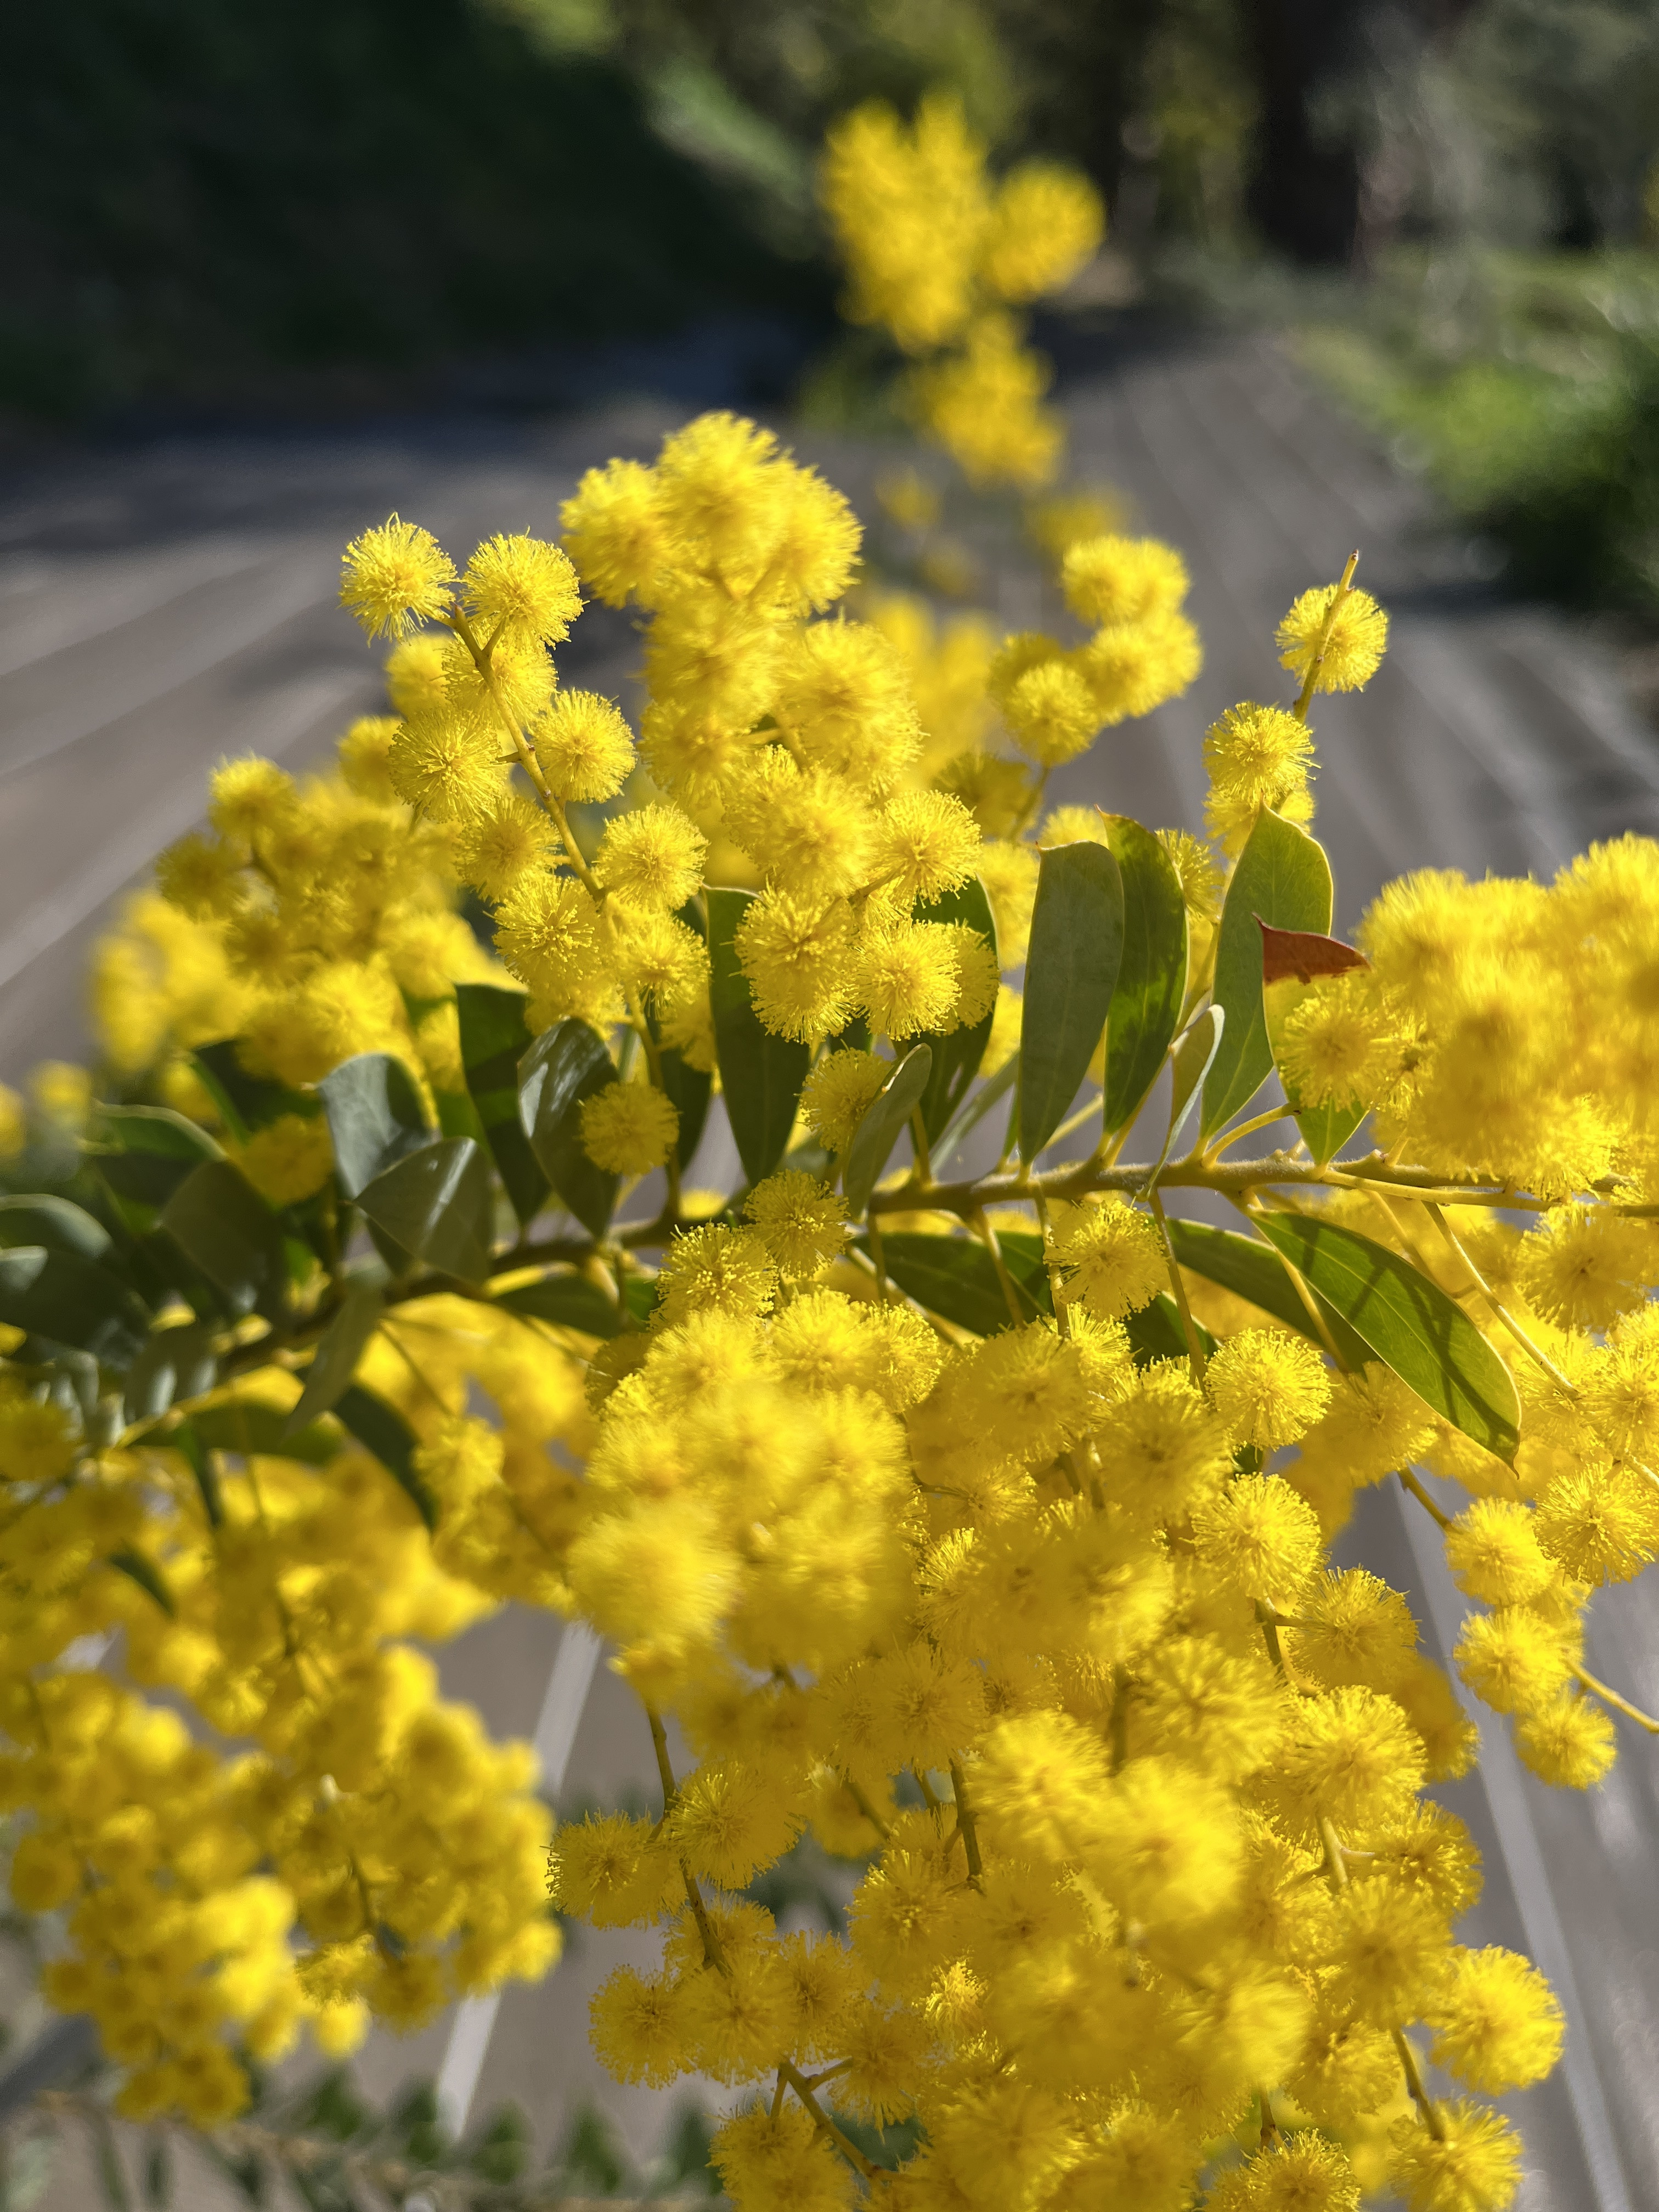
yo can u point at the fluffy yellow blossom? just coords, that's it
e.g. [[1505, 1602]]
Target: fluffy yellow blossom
[[928, 1531], [1268, 1388], [839, 1092], [1347, 648], [628, 1128], [584, 748], [1122, 580], [803, 1223], [519, 586], [1257, 758], [289, 1158], [1111, 1258], [396, 576]]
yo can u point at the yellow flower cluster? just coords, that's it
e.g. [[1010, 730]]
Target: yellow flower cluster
[[313, 922], [938, 256], [370, 1849], [979, 1528], [1144, 1868], [1144, 651]]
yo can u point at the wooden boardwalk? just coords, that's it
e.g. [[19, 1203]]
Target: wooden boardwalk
[[160, 609]]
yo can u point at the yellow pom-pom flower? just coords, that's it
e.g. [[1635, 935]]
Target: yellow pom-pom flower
[[797, 956], [1516, 1660], [1122, 580], [1053, 712], [447, 768], [494, 851], [1497, 2024], [1111, 1259], [1260, 1536], [926, 843], [521, 587], [289, 1158], [584, 748], [1348, 649], [802, 1219], [202, 878], [1045, 223], [1494, 1553], [1268, 1387], [249, 800], [839, 1092], [1570, 1743], [1583, 1266], [1473, 2165], [628, 1128], [395, 577], [652, 855], [1341, 1046], [614, 531], [907, 978], [1257, 758]]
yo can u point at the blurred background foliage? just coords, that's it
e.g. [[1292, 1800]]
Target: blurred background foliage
[[1454, 202]]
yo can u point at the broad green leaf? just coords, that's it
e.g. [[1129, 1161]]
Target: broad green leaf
[[760, 1075], [159, 1269], [374, 1117], [74, 1381], [435, 1204], [956, 1277], [974, 1112], [1152, 977], [569, 1300], [72, 1301], [380, 1429], [564, 1065], [222, 1226], [246, 1103], [502, 2151], [338, 1350], [144, 1153], [689, 1088], [158, 2176], [1284, 879], [1409, 1323], [1253, 1271], [244, 1427], [458, 1117], [885, 1119], [185, 1440], [175, 1362], [138, 1567], [493, 1040], [54, 1222], [1071, 971], [112, 2174], [957, 1056], [1156, 1332], [1190, 1063]]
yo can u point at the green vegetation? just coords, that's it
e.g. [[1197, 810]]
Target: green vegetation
[[1526, 389], [194, 196]]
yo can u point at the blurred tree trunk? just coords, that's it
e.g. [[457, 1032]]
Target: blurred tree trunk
[[1081, 63], [1304, 194]]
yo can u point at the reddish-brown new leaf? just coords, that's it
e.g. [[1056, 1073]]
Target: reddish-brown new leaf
[[1303, 954]]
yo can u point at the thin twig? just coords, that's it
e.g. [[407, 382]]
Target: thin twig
[[1611, 1696]]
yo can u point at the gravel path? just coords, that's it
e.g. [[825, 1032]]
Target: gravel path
[[161, 608]]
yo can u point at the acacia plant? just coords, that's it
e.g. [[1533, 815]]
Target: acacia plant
[[974, 1518]]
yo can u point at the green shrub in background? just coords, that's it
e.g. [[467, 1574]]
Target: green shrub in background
[[1526, 389], [193, 196]]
